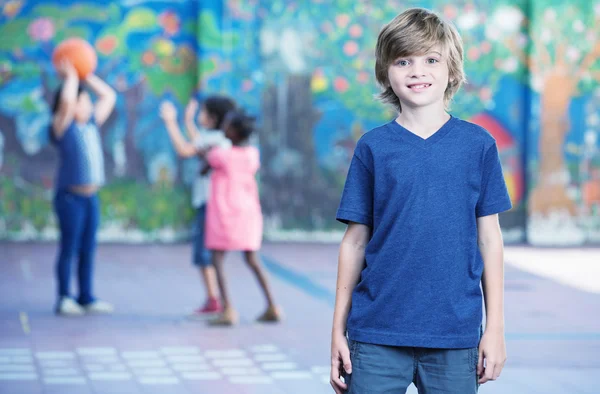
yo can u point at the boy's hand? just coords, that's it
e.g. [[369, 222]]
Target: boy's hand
[[340, 362], [191, 109], [168, 111], [492, 348]]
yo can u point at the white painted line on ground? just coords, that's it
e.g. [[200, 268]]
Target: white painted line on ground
[[321, 369], [186, 359], [241, 371], [18, 376], [94, 367], [60, 371], [96, 351], [66, 380], [22, 359], [15, 351], [110, 376], [154, 372], [146, 363], [292, 375], [201, 375], [190, 367], [56, 363], [159, 380], [285, 366], [250, 380], [180, 350], [116, 368], [264, 349], [102, 359], [270, 357], [233, 353], [55, 355], [140, 354], [234, 362], [16, 368]]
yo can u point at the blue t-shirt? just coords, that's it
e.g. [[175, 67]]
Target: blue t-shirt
[[420, 286], [81, 160]]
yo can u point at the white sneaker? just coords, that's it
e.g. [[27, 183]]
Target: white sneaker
[[100, 307], [68, 307]]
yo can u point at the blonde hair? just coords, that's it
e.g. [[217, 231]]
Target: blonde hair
[[415, 32]]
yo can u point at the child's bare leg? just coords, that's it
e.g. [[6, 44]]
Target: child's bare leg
[[209, 276], [272, 314], [218, 256], [229, 316]]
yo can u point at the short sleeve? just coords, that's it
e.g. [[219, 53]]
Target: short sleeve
[[216, 157], [493, 196], [356, 204]]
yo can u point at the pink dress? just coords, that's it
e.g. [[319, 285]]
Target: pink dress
[[233, 215]]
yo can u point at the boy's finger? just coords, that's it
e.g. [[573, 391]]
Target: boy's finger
[[335, 379], [346, 361], [480, 364], [497, 371]]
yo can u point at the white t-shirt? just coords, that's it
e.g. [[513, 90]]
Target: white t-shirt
[[200, 188]]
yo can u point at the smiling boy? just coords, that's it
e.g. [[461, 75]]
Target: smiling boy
[[421, 202]]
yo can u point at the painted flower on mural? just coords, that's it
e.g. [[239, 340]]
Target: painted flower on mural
[[170, 23], [148, 58], [164, 47], [41, 29], [351, 48], [247, 85], [363, 77], [355, 31], [342, 20], [341, 84], [107, 45], [12, 8], [318, 82]]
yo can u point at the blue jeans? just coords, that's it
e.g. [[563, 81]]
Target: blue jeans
[[378, 369], [201, 256], [78, 218]]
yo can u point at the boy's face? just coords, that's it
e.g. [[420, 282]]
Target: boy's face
[[206, 120], [420, 80]]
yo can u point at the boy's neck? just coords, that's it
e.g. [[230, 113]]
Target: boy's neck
[[423, 121]]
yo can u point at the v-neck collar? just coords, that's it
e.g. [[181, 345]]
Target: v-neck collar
[[421, 142]]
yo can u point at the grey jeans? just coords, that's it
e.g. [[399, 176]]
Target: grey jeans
[[378, 369]]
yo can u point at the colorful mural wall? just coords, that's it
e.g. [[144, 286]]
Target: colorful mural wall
[[306, 69]]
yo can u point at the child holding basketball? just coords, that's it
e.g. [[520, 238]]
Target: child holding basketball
[[75, 131], [210, 117]]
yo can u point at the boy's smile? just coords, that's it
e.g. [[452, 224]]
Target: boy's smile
[[420, 80]]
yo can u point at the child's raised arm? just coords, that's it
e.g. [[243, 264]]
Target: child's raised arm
[[168, 113], [190, 124], [350, 264], [107, 97], [67, 100]]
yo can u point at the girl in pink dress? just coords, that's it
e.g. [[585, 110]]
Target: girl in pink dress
[[233, 214]]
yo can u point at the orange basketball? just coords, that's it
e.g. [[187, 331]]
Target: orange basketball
[[79, 52]]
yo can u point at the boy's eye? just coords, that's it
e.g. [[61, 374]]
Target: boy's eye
[[432, 61], [402, 62]]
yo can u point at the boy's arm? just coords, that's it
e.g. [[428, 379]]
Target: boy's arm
[[492, 347], [169, 114], [67, 100], [190, 124], [350, 264], [107, 98]]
